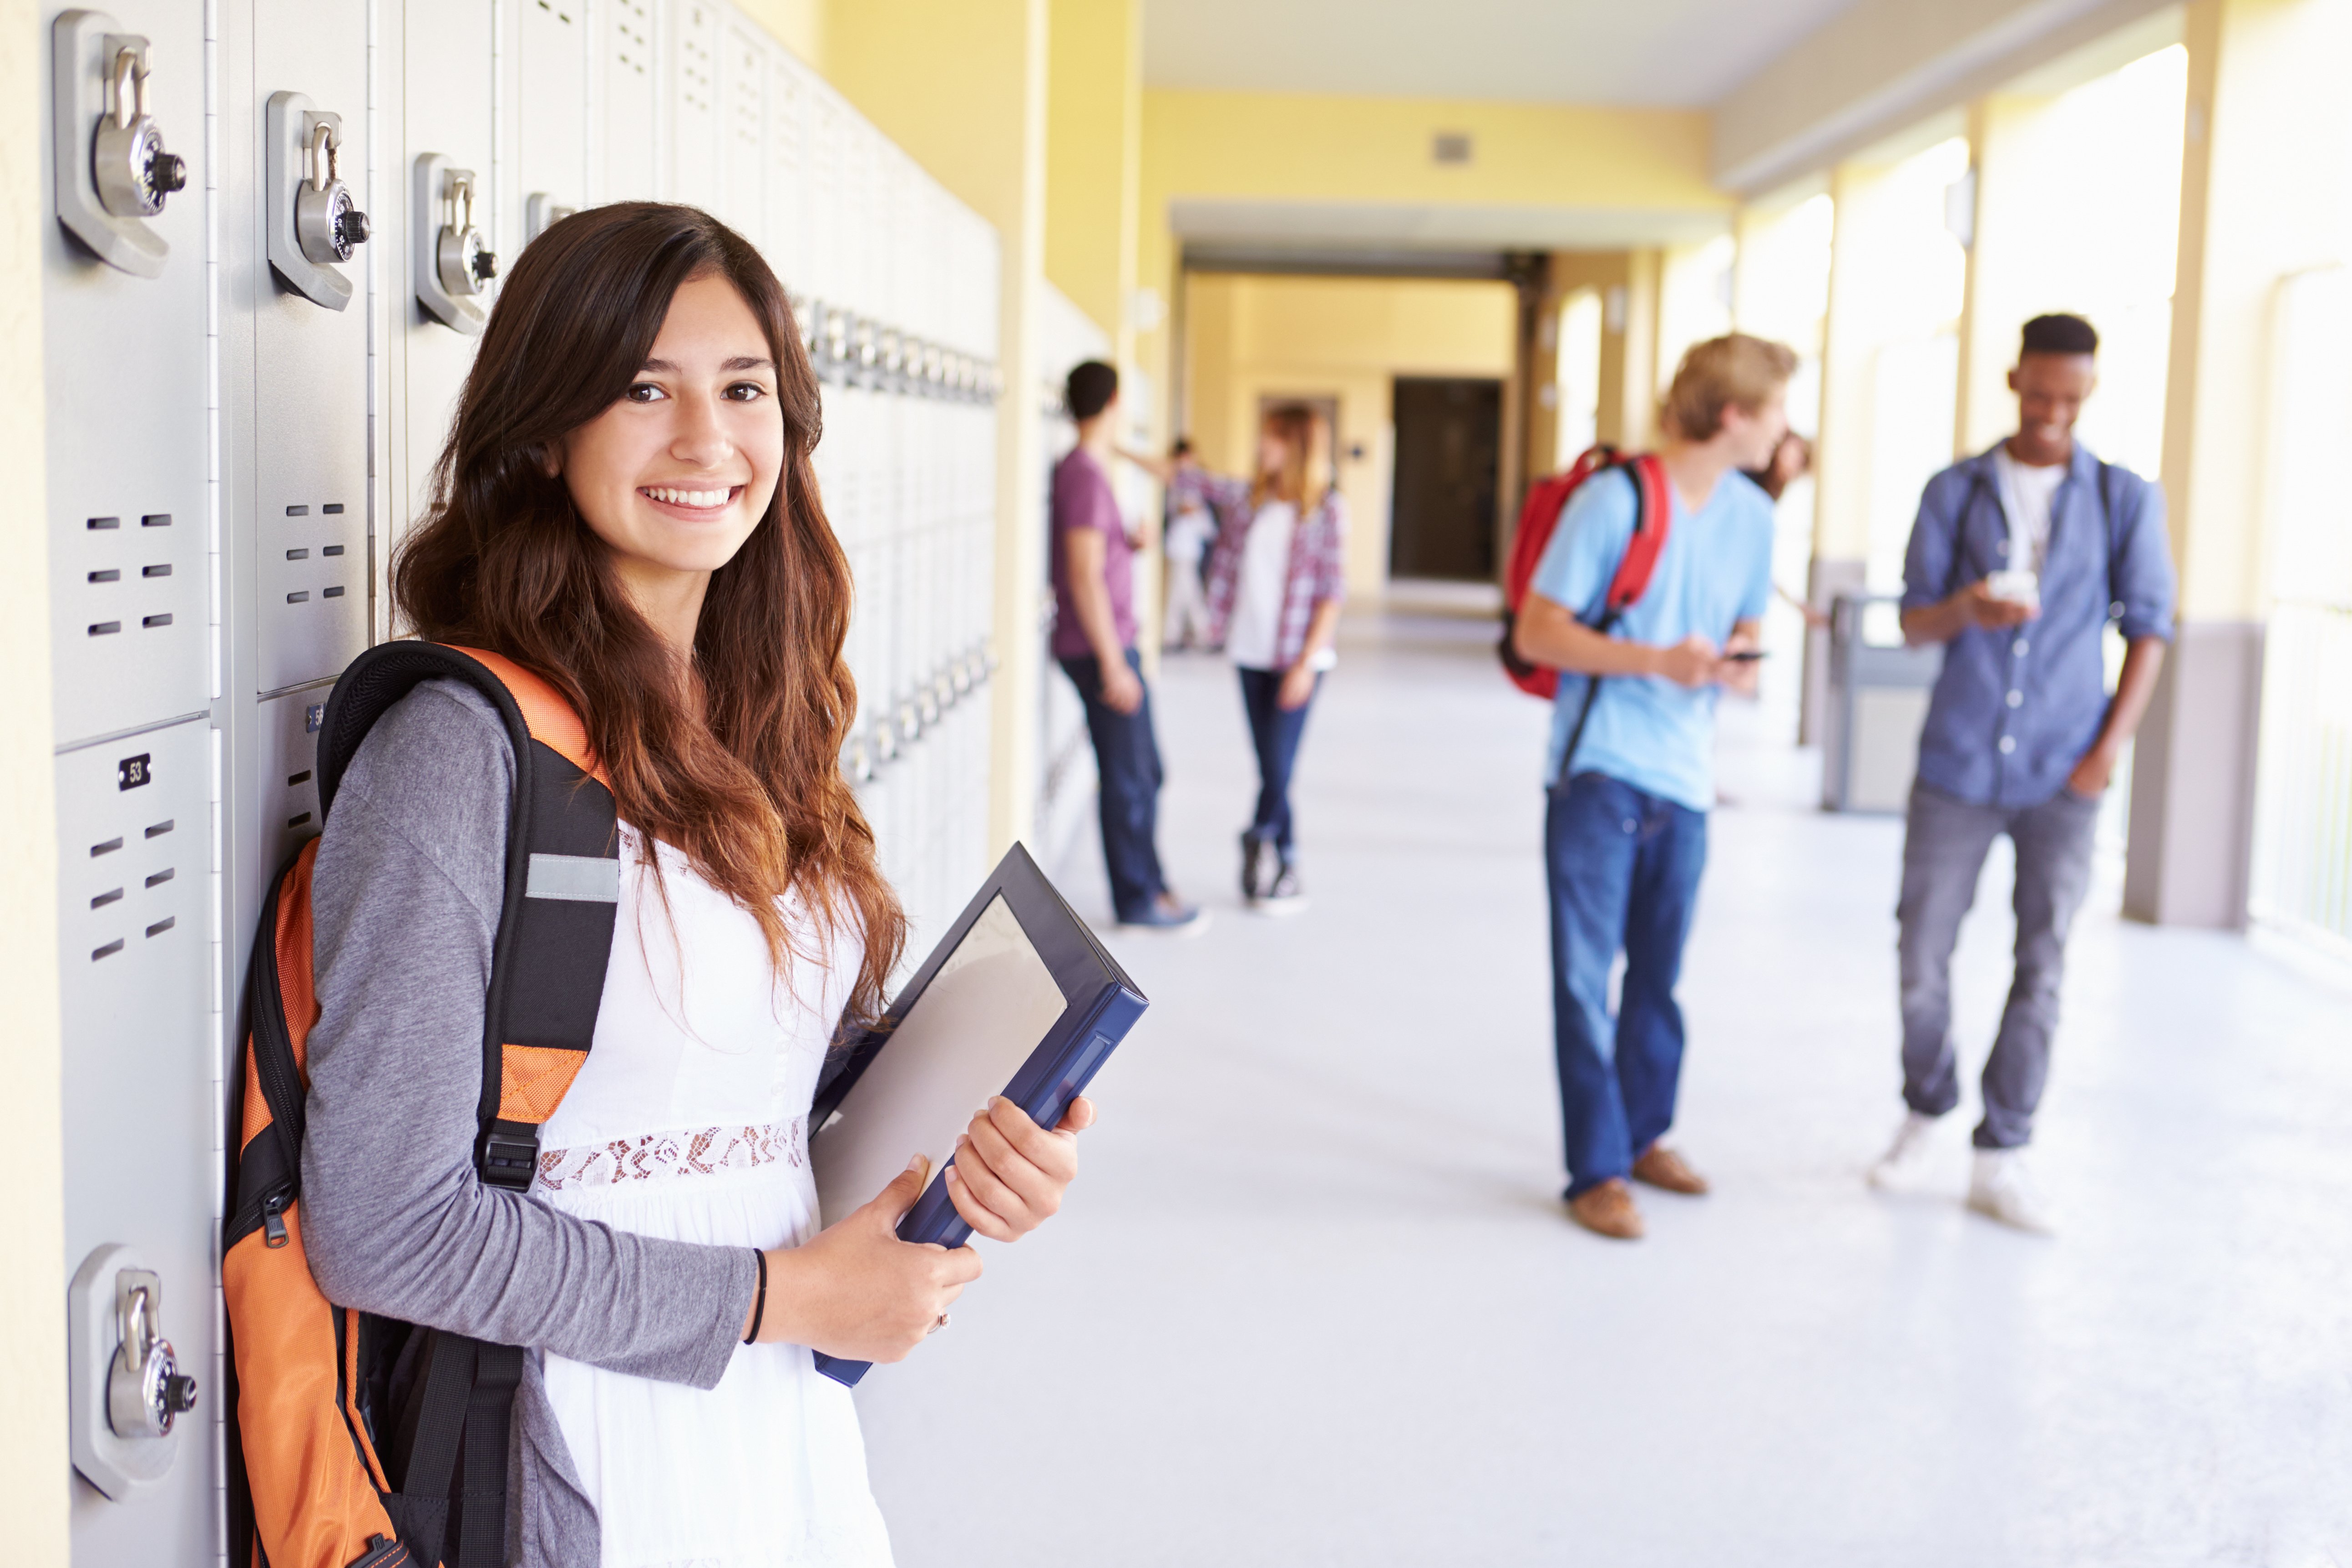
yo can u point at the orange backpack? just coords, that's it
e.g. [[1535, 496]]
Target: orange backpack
[[355, 1440]]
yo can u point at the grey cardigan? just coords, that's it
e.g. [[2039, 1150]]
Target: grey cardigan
[[406, 898]]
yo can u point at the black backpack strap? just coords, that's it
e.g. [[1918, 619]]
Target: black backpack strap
[[547, 982]]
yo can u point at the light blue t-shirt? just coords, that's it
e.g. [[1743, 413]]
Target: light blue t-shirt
[[1715, 570]]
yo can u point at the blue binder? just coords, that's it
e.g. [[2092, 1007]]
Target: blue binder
[[1100, 1004]]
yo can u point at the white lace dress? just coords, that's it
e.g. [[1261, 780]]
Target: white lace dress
[[690, 1121]]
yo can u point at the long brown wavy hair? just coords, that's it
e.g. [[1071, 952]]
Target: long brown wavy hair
[[735, 761]]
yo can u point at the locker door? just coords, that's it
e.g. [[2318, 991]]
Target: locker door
[[134, 893], [693, 107], [788, 237], [550, 118], [129, 447], [743, 132], [308, 420], [628, 123], [447, 90]]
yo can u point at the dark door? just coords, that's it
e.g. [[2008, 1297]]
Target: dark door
[[1449, 449]]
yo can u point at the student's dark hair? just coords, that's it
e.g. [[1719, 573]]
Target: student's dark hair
[[2058, 336], [1090, 388], [1182, 448], [735, 760]]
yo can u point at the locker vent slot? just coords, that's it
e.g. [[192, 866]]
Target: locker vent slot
[[153, 621], [298, 821], [332, 594], [110, 896], [332, 550], [302, 778], [298, 555], [162, 571], [163, 828], [109, 950], [333, 509], [162, 876], [108, 848], [160, 927], [297, 511], [156, 519], [105, 628], [108, 576], [105, 522], [301, 598]]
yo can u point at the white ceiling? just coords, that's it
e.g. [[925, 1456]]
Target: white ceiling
[[1658, 53]]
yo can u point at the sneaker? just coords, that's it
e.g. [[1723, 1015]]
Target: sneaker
[[1661, 1167], [1287, 896], [1607, 1210], [1904, 1165], [1171, 914], [1257, 866], [1999, 1190]]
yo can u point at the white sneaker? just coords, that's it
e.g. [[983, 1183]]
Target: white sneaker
[[1905, 1163], [2000, 1190]]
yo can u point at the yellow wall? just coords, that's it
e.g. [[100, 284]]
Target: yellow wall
[[962, 86], [798, 25], [1094, 156], [1250, 337], [32, 1222]]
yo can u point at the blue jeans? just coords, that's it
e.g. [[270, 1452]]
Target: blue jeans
[[1126, 758], [1624, 870], [1274, 731]]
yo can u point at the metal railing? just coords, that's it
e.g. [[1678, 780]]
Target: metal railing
[[2302, 809]]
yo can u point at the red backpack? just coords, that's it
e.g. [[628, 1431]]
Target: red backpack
[[1540, 519]]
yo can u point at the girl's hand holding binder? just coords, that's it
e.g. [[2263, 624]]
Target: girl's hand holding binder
[[1008, 1174]]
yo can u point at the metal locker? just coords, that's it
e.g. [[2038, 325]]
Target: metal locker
[[627, 118], [284, 804], [742, 195], [691, 112], [821, 146], [551, 118], [787, 165], [307, 505], [439, 271], [135, 896], [126, 378]]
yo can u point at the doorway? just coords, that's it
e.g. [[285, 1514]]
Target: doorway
[[1449, 449]]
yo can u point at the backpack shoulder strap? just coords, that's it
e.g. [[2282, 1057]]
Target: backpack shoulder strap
[[1654, 514], [563, 883]]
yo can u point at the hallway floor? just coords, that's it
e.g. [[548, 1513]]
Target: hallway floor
[[1316, 1299]]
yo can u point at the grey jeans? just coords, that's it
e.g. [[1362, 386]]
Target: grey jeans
[[1944, 846]]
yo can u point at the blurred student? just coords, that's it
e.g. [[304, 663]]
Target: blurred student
[[2019, 558], [1275, 590], [1094, 638], [1625, 827], [1186, 544], [1791, 460]]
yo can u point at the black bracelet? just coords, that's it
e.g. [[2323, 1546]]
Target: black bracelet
[[759, 1302]]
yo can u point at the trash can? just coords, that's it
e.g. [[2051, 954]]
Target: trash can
[[1878, 702]]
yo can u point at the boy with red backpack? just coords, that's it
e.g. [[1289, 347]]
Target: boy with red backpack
[[1647, 599]]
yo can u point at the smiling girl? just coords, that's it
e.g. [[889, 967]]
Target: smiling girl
[[625, 509]]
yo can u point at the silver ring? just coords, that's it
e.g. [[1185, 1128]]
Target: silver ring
[[935, 1328]]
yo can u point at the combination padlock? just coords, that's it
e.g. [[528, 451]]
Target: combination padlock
[[145, 1391], [128, 163], [463, 256], [326, 223]]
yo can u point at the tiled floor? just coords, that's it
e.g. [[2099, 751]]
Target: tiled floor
[[1315, 1300]]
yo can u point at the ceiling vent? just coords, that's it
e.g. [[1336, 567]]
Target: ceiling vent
[[1450, 147]]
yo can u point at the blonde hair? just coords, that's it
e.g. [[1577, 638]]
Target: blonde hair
[[1305, 477], [1722, 372]]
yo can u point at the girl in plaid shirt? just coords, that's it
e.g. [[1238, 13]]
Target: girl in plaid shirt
[[1274, 589]]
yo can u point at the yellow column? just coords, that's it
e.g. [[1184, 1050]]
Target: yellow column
[[962, 84], [1094, 163], [2266, 168], [33, 1464], [2005, 144]]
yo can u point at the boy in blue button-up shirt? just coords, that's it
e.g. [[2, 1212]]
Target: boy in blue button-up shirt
[[2020, 560]]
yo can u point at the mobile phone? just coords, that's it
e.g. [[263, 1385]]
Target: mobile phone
[[1746, 655]]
